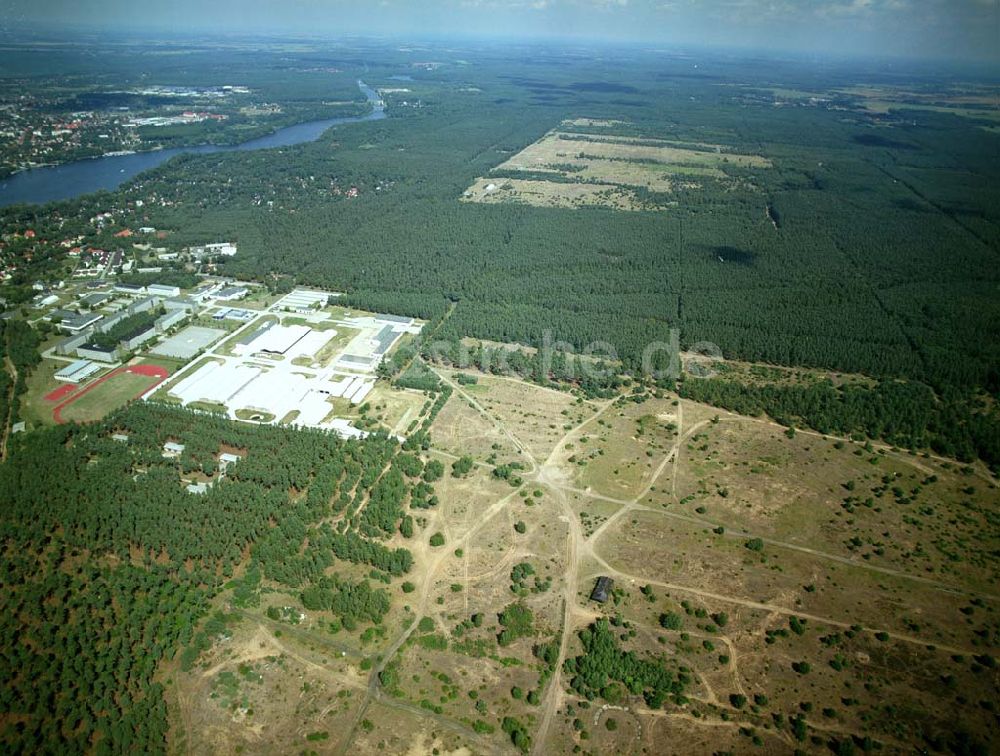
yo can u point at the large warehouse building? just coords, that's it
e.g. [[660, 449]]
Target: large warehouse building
[[278, 339], [214, 383], [275, 392]]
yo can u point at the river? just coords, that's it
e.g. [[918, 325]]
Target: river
[[59, 182]]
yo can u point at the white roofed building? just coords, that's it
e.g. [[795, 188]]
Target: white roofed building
[[277, 339], [77, 371], [163, 290], [214, 383]]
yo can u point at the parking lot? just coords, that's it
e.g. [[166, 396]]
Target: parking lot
[[187, 343]]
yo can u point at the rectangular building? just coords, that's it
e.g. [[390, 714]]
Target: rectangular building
[[133, 290], [304, 300], [231, 293], [213, 382], [277, 339], [179, 303], [70, 344], [383, 340], [111, 321], [79, 322], [58, 315], [142, 305], [137, 340], [97, 353], [602, 589], [226, 249], [168, 321], [77, 371], [163, 290], [94, 299]]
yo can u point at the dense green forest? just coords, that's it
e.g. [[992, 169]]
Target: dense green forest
[[18, 355], [872, 269], [883, 261], [869, 246], [109, 563]]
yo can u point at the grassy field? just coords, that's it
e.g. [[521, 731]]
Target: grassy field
[[393, 408], [36, 410], [106, 396], [340, 337]]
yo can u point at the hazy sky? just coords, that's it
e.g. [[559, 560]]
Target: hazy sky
[[921, 28]]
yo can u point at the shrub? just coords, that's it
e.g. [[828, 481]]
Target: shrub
[[462, 466], [517, 621], [671, 621]]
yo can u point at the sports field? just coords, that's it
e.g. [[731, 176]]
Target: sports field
[[97, 399]]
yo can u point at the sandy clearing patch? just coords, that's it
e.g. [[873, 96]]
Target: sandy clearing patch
[[558, 145], [551, 194]]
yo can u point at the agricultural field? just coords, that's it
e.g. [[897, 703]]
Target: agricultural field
[[569, 169]]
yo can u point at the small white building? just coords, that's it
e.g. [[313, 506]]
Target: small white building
[[172, 449]]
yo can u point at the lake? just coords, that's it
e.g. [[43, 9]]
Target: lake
[[70, 180]]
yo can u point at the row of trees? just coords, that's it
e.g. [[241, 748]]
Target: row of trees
[[905, 413], [18, 356]]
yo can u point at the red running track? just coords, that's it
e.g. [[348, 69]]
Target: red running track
[[152, 371], [60, 393]]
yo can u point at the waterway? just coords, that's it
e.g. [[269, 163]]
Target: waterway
[[59, 182]]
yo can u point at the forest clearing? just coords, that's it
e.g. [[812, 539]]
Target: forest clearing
[[780, 602], [571, 169]]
